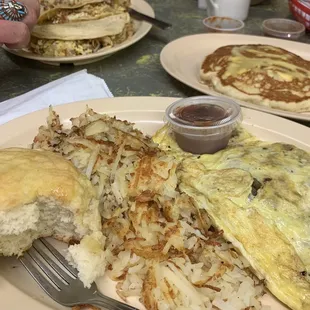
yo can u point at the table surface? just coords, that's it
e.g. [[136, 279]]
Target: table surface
[[135, 71]]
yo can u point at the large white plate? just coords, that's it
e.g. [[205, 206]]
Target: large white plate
[[16, 286], [183, 57], [142, 28]]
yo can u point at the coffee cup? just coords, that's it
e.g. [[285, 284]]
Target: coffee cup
[[237, 9]]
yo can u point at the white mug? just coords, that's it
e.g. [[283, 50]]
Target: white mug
[[238, 9]]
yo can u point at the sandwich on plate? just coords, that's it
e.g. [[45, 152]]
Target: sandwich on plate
[[72, 28]]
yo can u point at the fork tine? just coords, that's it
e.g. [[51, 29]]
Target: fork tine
[[27, 262], [66, 294], [43, 266], [39, 248], [61, 259]]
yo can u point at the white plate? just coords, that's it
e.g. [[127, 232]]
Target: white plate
[[142, 28], [16, 286], [183, 57]]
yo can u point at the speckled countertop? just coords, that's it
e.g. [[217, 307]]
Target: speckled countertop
[[135, 71]]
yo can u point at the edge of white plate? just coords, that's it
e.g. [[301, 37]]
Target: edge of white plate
[[144, 28], [13, 128], [164, 56]]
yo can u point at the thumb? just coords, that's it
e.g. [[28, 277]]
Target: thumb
[[14, 34]]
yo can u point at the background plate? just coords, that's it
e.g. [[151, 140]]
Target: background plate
[[16, 286], [142, 28], [183, 57]]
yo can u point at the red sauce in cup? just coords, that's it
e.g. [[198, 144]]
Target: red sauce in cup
[[203, 125]]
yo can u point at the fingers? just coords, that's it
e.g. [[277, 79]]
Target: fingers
[[17, 34], [32, 4], [31, 18], [33, 8], [14, 34]]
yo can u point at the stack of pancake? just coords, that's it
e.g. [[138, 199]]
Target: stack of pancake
[[71, 28]]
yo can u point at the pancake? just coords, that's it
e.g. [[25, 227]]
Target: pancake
[[88, 10], [47, 5], [80, 28], [112, 25], [260, 74]]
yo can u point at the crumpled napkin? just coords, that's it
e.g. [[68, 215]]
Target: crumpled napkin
[[74, 87]]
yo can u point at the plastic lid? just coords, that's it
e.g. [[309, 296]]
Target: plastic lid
[[203, 115], [283, 28], [223, 24]]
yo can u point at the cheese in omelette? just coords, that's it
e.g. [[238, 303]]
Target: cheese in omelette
[[258, 193]]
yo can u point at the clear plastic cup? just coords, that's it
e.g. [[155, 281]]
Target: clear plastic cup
[[283, 28], [223, 24], [203, 125]]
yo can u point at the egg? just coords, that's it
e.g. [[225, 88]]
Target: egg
[[258, 193]]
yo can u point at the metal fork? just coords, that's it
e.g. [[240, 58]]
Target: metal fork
[[60, 281]]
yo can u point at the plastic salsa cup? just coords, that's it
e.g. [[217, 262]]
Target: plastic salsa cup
[[203, 125]]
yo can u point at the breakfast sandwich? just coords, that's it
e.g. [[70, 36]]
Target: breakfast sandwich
[[80, 27], [260, 74]]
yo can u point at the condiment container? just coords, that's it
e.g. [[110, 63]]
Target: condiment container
[[283, 28], [203, 124], [223, 24]]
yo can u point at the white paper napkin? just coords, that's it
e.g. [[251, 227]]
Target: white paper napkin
[[74, 87]]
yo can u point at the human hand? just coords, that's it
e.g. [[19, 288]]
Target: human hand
[[16, 34]]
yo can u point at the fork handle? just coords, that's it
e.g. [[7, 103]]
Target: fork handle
[[109, 303]]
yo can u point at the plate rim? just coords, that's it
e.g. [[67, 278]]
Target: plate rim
[[164, 55], [144, 28], [157, 104], [110, 106]]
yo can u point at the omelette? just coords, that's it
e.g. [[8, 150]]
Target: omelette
[[259, 74], [258, 193]]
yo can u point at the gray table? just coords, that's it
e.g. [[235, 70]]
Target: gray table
[[135, 71]]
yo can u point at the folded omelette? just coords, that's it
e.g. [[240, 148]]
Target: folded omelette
[[258, 193]]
